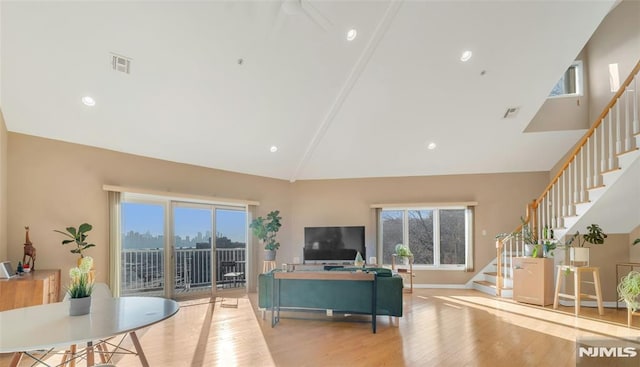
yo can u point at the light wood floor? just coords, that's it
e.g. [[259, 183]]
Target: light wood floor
[[439, 328]]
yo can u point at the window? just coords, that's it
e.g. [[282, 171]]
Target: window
[[168, 247], [438, 237], [570, 84]]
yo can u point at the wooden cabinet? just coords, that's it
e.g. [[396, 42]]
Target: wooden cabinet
[[31, 289], [533, 280]]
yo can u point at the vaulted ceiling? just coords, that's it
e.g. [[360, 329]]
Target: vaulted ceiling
[[216, 84]]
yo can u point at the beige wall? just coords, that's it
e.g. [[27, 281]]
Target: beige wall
[[55, 184], [617, 40], [501, 198], [634, 251], [614, 250], [565, 113], [3, 189]]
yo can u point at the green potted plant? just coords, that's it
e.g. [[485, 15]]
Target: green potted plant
[[403, 253], [265, 229], [629, 290], [578, 253], [81, 287], [530, 241], [78, 236]]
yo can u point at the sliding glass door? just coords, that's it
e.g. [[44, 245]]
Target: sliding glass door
[[231, 248], [202, 247], [142, 256], [192, 244]]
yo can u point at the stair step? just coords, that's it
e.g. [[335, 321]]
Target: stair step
[[495, 274], [488, 284]]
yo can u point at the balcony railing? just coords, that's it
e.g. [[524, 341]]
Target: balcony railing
[[143, 270]]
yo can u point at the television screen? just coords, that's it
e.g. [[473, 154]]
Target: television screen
[[338, 244]]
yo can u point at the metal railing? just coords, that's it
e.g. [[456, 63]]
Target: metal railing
[[143, 270]]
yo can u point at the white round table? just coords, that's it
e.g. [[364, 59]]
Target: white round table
[[50, 326]]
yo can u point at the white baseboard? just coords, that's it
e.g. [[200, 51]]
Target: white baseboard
[[607, 304]]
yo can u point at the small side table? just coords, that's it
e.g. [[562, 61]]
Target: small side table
[[402, 270], [268, 266], [577, 285]]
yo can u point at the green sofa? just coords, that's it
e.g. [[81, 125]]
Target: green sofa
[[335, 294]]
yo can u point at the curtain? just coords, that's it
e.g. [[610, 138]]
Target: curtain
[[378, 250], [115, 244], [469, 234], [252, 252]]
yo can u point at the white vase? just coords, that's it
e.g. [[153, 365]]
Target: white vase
[[579, 256], [79, 306]]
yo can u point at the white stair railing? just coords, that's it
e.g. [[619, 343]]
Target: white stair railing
[[612, 135]]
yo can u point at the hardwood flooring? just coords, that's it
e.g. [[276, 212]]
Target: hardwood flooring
[[440, 327]]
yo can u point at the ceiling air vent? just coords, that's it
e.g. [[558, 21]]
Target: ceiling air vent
[[511, 112], [121, 63]]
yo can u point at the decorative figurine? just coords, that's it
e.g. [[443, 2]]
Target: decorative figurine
[[30, 251]]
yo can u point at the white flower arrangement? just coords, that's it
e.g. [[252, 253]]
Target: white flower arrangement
[[81, 281]]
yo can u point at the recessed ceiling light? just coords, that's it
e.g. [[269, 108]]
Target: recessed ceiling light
[[352, 34], [431, 146], [466, 56], [273, 149], [88, 101]]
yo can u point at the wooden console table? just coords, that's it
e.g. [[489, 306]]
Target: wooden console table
[[278, 276], [31, 289]]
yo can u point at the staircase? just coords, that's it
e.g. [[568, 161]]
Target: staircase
[[605, 154]]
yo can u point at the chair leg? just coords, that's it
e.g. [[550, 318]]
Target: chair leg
[[72, 353], [15, 359], [103, 352]]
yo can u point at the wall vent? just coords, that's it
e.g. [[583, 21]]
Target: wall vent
[[511, 112], [121, 63]]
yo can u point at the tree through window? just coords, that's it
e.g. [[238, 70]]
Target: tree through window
[[436, 236]]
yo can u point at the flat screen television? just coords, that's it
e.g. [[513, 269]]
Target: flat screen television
[[333, 244]]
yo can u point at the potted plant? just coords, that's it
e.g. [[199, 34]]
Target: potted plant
[[578, 253], [530, 240], [78, 236], [629, 290], [265, 229], [80, 288], [403, 253]]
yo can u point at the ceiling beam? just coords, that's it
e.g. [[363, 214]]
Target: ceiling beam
[[362, 61]]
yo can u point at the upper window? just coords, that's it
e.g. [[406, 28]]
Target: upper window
[[570, 84], [437, 237]]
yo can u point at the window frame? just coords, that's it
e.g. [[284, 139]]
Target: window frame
[[578, 64], [468, 229]]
